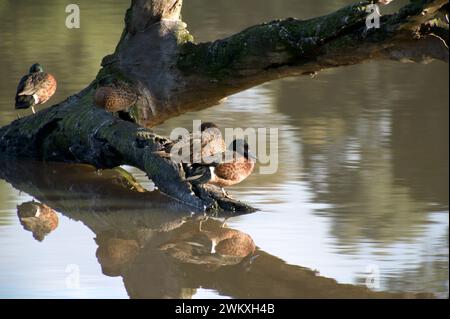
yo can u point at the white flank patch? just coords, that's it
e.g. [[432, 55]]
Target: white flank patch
[[213, 246], [38, 212], [195, 244], [213, 175], [36, 99]]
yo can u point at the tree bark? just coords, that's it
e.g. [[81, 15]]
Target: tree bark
[[173, 75], [91, 135]]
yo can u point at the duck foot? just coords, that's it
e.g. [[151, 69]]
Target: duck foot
[[144, 135], [225, 194], [224, 222], [204, 219]]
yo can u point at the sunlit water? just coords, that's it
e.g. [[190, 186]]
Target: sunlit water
[[362, 182]]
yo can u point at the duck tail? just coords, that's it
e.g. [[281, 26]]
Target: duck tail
[[24, 101], [198, 173]]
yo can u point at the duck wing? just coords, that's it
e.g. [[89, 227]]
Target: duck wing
[[208, 142], [198, 173], [31, 83], [234, 168], [212, 142], [202, 173], [24, 85]]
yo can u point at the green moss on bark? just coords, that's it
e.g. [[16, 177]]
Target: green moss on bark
[[277, 42]]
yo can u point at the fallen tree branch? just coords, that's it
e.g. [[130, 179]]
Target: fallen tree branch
[[80, 190], [130, 226], [172, 75], [59, 134], [205, 73]]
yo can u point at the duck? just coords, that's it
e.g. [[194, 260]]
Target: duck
[[215, 247], [212, 142], [38, 218], [183, 150], [115, 96], [35, 88], [114, 254], [237, 163]]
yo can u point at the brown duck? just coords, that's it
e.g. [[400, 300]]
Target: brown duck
[[35, 88], [210, 142], [115, 96], [114, 254]]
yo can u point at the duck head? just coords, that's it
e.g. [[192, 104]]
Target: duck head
[[35, 68], [106, 81], [208, 125], [241, 147]]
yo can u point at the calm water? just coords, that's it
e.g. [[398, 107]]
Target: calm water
[[362, 182]]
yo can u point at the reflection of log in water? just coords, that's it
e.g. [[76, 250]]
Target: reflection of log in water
[[160, 250], [83, 186], [157, 273]]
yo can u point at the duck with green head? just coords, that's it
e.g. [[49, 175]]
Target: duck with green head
[[35, 88]]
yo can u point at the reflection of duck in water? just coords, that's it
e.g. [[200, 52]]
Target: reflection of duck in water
[[215, 247], [37, 218], [114, 254]]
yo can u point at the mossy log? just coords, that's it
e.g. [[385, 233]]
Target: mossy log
[[172, 74], [91, 135]]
